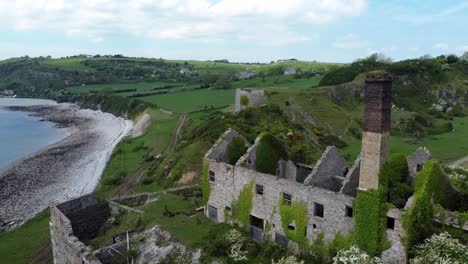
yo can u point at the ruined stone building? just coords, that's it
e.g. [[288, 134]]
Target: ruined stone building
[[249, 98], [327, 189]]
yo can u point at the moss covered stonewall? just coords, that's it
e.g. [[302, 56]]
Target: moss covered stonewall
[[269, 152], [205, 183], [235, 150], [431, 185], [243, 205], [297, 213]]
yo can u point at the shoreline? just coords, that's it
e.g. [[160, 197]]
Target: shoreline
[[61, 171]]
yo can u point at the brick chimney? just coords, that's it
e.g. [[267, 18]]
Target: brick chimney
[[376, 133]]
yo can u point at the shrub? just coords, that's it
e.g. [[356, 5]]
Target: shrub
[[235, 150], [441, 248], [269, 152], [244, 100], [396, 171], [354, 255], [452, 58]]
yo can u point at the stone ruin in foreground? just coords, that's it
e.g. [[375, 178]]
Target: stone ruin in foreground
[[327, 189]]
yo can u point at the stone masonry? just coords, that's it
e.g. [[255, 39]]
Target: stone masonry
[[256, 97], [329, 189], [376, 134], [73, 221]]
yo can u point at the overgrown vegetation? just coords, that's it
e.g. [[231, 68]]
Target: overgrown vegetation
[[396, 171], [235, 150], [269, 152], [242, 206], [294, 215], [206, 189]]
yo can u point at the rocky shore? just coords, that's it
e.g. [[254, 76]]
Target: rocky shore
[[62, 171]]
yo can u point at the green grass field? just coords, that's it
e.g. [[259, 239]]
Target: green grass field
[[193, 100], [69, 64], [446, 147], [140, 86], [26, 242]]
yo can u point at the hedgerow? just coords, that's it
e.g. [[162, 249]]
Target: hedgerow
[[297, 213], [243, 205]]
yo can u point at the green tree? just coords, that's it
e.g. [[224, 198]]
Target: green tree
[[452, 58], [235, 150]]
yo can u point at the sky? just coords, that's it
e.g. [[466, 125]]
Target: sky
[[237, 30]]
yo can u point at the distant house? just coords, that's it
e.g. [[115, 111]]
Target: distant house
[[8, 92], [290, 71]]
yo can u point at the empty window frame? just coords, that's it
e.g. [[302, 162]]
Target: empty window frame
[[212, 176], [348, 211], [390, 223], [287, 198], [280, 239], [259, 189], [213, 214], [318, 209]]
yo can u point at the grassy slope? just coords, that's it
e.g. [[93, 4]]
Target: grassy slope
[[154, 140], [445, 147], [26, 242]]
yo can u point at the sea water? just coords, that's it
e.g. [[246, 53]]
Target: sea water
[[22, 134]]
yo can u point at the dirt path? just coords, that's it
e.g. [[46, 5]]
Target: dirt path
[[460, 161], [136, 177], [175, 134]]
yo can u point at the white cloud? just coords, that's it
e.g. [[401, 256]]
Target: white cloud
[[463, 48], [349, 41], [204, 20], [440, 46]]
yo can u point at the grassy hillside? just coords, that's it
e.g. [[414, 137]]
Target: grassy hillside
[[306, 112]]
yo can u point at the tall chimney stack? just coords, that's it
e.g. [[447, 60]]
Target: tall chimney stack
[[376, 133]]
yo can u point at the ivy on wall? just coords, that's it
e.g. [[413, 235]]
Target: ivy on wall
[[430, 185], [370, 216], [205, 183], [297, 213], [243, 205]]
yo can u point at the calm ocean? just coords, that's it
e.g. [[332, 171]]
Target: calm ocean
[[21, 134]]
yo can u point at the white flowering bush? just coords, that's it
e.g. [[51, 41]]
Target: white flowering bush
[[288, 260], [236, 240], [441, 249], [354, 255]]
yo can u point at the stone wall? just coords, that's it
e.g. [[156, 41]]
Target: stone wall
[[76, 220], [396, 254], [416, 161], [256, 97], [66, 247], [230, 180]]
